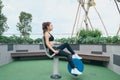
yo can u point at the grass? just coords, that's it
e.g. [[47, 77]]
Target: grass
[[42, 69]]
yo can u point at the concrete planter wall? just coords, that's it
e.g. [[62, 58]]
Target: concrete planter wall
[[112, 50], [88, 48], [5, 56], [27, 48]]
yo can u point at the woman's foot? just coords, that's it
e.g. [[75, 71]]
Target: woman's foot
[[76, 56], [76, 71]]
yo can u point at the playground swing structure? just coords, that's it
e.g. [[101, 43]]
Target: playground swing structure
[[86, 5]]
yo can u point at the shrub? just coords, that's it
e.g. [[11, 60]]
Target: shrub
[[116, 40], [38, 40], [89, 33]]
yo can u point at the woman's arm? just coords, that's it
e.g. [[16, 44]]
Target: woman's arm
[[47, 36]]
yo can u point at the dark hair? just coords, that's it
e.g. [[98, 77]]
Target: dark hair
[[45, 25]]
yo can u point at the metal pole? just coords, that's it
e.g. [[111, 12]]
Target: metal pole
[[101, 21], [75, 20], [117, 6], [118, 30]]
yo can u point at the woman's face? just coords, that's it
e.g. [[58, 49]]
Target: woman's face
[[50, 27]]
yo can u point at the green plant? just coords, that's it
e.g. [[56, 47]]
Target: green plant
[[29, 41], [109, 39], [3, 39], [116, 39], [38, 40], [89, 36], [91, 33]]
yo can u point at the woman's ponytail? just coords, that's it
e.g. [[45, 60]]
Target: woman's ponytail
[[45, 25]]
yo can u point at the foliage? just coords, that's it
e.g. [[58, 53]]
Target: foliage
[[18, 40], [68, 40], [89, 33], [3, 39], [3, 25], [24, 24], [38, 40], [91, 37], [89, 40], [83, 39], [116, 40]]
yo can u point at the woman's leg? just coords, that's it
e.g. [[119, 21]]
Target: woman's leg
[[69, 57], [74, 70], [66, 45]]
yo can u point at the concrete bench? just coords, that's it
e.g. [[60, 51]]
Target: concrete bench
[[27, 54], [86, 56], [95, 57]]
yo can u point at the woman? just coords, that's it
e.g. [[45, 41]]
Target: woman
[[47, 28]]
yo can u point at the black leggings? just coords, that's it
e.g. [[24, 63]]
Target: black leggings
[[64, 53]]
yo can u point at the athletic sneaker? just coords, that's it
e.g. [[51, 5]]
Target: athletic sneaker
[[76, 72], [76, 56]]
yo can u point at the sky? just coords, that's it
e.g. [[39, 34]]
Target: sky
[[62, 15]]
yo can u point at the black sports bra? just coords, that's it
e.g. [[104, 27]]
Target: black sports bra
[[51, 37]]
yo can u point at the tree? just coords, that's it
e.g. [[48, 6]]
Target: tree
[[24, 24], [3, 25]]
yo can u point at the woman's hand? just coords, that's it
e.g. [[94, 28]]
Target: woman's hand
[[56, 51]]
